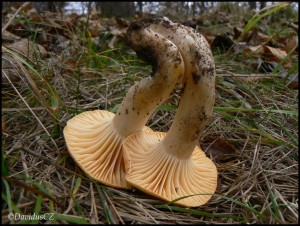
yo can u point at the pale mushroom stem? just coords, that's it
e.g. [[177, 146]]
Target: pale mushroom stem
[[195, 107], [197, 100], [143, 98]]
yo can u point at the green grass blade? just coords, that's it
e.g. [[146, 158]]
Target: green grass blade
[[38, 205], [274, 207], [8, 198], [224, 197], [107, 212], [287, 132], [167, 107], [32, 189], [40, 187], [76, 188], [72, 194], [16, 210], [13, 206], [199, 213], [37, 208], [51, 210], [115, 108], [234, 109], [255, 128], [70, 219], [257, 17]]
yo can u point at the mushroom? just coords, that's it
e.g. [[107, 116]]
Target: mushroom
[[171, 165], [94, 138]]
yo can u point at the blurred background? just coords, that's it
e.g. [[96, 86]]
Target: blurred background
[[180, 9]]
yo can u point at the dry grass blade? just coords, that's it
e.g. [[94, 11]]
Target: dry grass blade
[[41, 124], [289, 206], [94, 212]]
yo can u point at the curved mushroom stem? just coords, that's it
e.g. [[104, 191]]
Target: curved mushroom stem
[[195, 108], [142, 98], [197, 100]]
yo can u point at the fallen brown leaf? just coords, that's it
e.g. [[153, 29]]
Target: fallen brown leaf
[[258, 38], [255, 50], [237, 32], [209, 37], [293, 85], [275, 53], [242, 38], [291, 43], [29, 49], [6, 35]]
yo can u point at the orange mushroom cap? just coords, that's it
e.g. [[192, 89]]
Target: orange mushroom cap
[[94, 144], [154, 171]]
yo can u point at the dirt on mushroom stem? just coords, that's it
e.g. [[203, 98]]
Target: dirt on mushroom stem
[[199, 75], [142, 99]]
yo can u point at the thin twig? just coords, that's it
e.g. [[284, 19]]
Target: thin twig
[[11, 19]]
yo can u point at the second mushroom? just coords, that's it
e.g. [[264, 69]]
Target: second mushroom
[[170, 165]]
